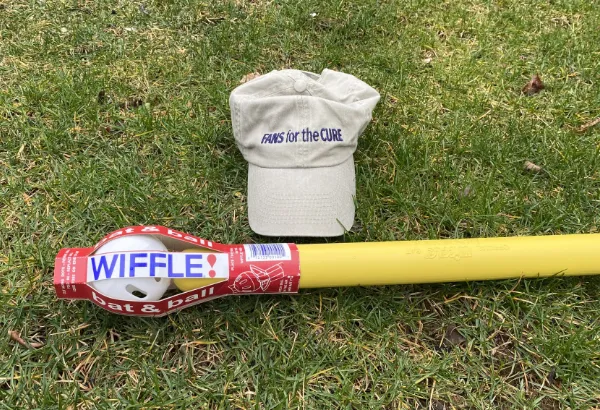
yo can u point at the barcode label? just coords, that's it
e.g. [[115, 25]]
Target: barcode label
[[268, 252]]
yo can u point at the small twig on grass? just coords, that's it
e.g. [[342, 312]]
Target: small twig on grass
[[16, 336], [588, 124]]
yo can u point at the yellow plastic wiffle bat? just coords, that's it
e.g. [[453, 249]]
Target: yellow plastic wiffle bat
[[446, 260]]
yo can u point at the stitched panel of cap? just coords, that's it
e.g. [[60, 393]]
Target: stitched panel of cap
[[278, 92]]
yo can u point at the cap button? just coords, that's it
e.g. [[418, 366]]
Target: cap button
[[300, 86]]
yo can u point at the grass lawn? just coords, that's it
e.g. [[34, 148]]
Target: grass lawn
[[116, 113]]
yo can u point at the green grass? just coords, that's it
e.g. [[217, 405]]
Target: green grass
[[116, 114]]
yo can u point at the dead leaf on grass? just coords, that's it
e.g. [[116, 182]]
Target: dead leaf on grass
[[468, 191], [101, 97], [249, 77], [132, 102], [452, 337], [531, 167], [27, 199], [438, 405], [356, 227], [552, 379], [534, 86]]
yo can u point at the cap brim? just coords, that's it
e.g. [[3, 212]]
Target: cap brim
[[301, 201]]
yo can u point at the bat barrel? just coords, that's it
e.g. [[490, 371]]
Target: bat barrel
[[448, 260]]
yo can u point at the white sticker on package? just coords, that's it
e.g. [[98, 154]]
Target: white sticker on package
[[268, 252], [154, 264]]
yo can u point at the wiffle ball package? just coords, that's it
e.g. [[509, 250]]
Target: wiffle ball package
[[154, 270]]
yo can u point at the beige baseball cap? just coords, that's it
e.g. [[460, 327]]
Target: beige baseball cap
[[298, 131]]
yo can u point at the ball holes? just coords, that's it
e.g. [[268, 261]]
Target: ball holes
[[138, 293]]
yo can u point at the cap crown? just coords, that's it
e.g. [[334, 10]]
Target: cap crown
[[297, 119]]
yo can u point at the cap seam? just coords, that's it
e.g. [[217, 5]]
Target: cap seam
[[304, 116], [237, 126], [304, 166], [279, 90]]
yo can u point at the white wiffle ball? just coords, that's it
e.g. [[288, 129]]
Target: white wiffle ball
[[124, 288]]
